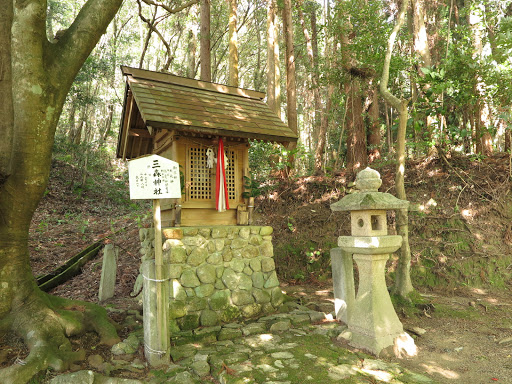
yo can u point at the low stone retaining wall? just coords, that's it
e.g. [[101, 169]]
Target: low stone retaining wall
[[218, 274]]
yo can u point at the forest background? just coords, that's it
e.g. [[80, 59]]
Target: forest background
[[450, 62], [359, 81]]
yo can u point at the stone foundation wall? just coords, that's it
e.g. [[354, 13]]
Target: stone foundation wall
[[217, 274]]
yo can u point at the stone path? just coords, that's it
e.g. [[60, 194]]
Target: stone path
[[293, 347]]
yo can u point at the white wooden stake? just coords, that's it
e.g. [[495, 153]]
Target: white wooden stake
[[162, 284]]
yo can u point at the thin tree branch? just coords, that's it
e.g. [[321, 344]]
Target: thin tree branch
[[169, 9], [152, 27], [388, 96]]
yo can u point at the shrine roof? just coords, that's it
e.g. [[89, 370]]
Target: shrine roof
[[155, 100]]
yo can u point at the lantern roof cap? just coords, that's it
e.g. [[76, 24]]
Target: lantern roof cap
[[367, 196]]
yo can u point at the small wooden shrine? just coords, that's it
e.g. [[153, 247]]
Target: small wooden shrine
[[192, 122]]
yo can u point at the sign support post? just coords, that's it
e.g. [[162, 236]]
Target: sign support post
[[155, 177], [162, 294]]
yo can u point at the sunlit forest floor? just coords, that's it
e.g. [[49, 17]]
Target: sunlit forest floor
[[460, 237]]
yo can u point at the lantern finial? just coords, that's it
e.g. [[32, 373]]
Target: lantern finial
[[368, 180]]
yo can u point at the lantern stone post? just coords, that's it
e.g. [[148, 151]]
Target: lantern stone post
[[370, 315]]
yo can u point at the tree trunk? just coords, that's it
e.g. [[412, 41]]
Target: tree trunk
[[328, 117], [420, 33], [319, 129], [421, 47], [322, 132], [77, 133], [475, 22], [233, 45], [277, 68], [466, 139], [389, 133], [291, 89], [258, 77], [191, 55], [316, 90], [205, 53], [486, 143], [477, 128], [42, 74], [508, 137], [108, 124], [403, 285], [357, 158], [374, 136], [271, 62], [71, 119]]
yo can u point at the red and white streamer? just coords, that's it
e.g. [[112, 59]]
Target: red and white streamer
[[221, 199]]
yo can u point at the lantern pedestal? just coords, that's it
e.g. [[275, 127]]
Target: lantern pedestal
[[374, 323]]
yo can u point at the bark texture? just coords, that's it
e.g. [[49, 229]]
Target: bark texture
[[233, 44], [357, 158], [205, 42], [43, 73], [374, 136], [271, 60], [291, 88], [6, 123]]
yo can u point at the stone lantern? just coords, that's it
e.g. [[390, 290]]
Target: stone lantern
[[370, 315]]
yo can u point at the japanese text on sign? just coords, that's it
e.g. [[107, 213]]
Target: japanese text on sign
[[154, 177]]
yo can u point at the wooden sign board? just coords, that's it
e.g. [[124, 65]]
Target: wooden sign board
[[154, 177]]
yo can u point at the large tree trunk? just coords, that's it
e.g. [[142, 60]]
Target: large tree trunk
[[420, 33], [357, 158], [43, 73]]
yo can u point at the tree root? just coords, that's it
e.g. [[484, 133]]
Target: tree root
[[45, 322]]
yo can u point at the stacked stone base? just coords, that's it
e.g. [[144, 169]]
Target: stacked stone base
[[217, 274]]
